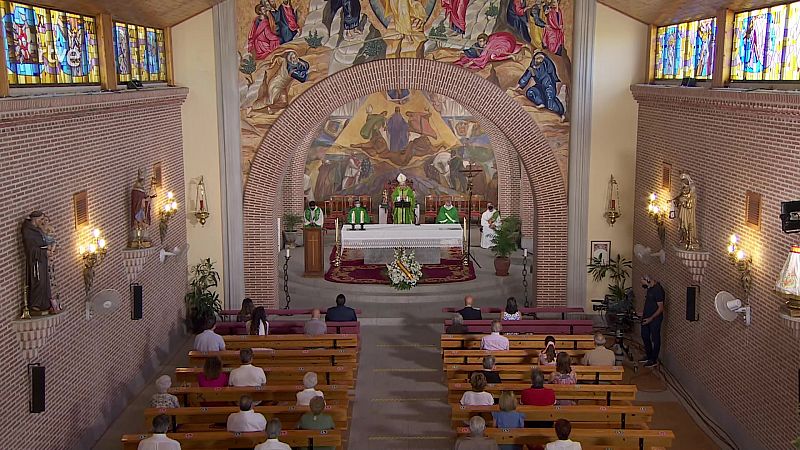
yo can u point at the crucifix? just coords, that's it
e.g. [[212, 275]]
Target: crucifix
[[470, 172]]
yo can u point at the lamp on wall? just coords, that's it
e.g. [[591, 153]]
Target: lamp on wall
[[92, 255], [658, 212], [201, 204], [612, 206], [167, 211], [788, 284], [742, 261]]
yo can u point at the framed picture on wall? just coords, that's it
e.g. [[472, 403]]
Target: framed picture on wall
[[602, 249]]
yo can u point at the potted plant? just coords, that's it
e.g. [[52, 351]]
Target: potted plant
[[504, 244], [202, 300], [291, 221], [618, 270]]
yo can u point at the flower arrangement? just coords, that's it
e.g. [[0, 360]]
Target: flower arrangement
[[404, 272]]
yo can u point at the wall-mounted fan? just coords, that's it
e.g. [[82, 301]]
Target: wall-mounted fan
[[730, 307]]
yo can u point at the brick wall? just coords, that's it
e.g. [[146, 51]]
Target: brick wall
[[729, 142], [50, 148]]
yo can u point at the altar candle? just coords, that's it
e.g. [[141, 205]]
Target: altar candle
[[336, 231], [287, 252], [525, 252], [280, 235]]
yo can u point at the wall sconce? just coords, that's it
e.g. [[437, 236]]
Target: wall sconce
[[612, 206], [788, 284], [92, 256], [167, 211], [658, 212], [201, 204], [742, 261]]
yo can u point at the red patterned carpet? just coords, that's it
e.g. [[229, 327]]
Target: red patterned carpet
[[353, 270]]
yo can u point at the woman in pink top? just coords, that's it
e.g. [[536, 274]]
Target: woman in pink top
[[212, 375]]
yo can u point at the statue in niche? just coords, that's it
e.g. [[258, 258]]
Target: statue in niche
[[141, 198], [39, 245], [686, 201]]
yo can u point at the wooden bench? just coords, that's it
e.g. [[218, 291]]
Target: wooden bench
[[518, 342], [514, 372], [607, 393], [538, 326], [227, 440], [281, 327], [265, 358], [589, 416], [195, 417], [342, 375], [524, 356], [589, 438], [281, 312], [526, 311], [196, 396], [292, 341]]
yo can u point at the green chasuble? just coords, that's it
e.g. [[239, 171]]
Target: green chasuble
[[447, 215], [358, 215], [313, 218], [403, 215]]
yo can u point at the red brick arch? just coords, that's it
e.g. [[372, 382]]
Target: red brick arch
[[513, 132]]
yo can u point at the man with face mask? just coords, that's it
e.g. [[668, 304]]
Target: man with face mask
[[358, 214], [313, 216], [490, 221], [652, 317]]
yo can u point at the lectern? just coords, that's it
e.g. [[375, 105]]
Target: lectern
[[312, 238]]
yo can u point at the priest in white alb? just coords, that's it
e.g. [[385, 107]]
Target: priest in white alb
[[490, 221], [313, 216]]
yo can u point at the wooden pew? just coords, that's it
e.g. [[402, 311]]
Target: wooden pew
[[226, 313], [538, 326], [226, 440], [343, 375], [292, 341], [526, 311], [524, 356], [589, 416], [195, 395], [194, 417], [517, 342], [281, 327], [589, 438], [269, 357], [607, 393], [522, 372]]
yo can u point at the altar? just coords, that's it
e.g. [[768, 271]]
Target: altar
[[378, 241]]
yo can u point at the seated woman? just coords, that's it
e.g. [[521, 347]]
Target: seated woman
[[458, 326], [246, 311], [258, 325], [564, 375], [305, 396], [316, 420], [547, 357], [508, 417], [212, 375], [512, 311], [163, 399], [478, 395]]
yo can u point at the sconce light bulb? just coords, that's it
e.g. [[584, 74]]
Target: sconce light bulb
[[101, 243], [92, 248], [656, 209], [170, 195], [81, 250], [731, 249], [734, 239], [653, 197], [740, 255], [174, 205], [96, 233]]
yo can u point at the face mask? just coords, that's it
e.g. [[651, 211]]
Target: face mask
[[644, 285], [491, 208]]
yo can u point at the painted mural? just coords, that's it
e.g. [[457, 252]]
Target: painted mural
[[428, 137], [286, 46]]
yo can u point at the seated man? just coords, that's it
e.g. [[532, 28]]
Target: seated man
[[358, 215], [469, 312], [495, 341], [340, 313], [208, 340], [316, 419], [246, 420], [600, 356], [458, 326], [272, 442], [476, 440], [492, 376], [315, 326], [159, 439], [563, 429], [309, 382], [447, 213], [247, 374]]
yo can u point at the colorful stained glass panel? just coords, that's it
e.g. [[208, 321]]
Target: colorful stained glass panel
[[140, 52], [765, 44], [686, 50]]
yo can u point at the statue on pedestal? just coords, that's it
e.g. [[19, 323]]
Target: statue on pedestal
[[141, 198], [39, 246], [686, 201]]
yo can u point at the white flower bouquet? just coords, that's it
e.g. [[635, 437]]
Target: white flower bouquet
[[404, 272]]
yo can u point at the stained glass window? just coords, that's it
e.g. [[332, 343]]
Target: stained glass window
[[766, 44], [47, 46], [686, 50], [140, 53]]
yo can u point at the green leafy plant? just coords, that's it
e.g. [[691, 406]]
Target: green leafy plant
[[202, 300], [291, 221], [492, 11], [506, 237], [314, 40], [618, 271]]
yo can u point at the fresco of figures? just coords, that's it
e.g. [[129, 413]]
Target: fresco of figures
[[429, 137], [523, 46]]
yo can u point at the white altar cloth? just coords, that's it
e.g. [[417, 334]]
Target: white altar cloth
[[406, 236]]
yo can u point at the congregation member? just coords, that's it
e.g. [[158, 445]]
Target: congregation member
[[512, 311], [315, 325], [564, 374], [246, 420], [213, 375], [537, 394], [495, 341], [247, 374], [340, 313], [547, 357], [316, 420], [563, 429], [478, 395], [476, 439], [492, 376], [600, 356], [159, 439], [163, 399], [457, 327], [652, 318], [208, 340], [469, 312], [272, 442], [258, 325], [245, 311], [508, 417], [310, 383]]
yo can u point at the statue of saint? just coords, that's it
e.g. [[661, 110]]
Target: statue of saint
[[686, 201], [38, 247], [140, 214]]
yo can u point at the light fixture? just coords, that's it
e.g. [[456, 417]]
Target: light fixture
[[167, 211], [612, 206], [788, 284], [201, 204], [92, 255], [742, 261], [658, 212]]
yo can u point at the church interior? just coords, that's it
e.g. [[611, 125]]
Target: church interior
[[396, 224]]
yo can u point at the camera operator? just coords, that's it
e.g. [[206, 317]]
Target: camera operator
[[652, 317]]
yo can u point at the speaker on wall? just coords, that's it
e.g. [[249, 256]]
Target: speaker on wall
[[137, 309], [36, 374], [691, 303]]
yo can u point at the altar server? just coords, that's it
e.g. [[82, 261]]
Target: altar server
[[447, 213], [313, 217], [490, 221]]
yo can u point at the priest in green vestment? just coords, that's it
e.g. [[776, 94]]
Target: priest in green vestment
[[357, 215], [403, 193], [447, 213], [313, 216]]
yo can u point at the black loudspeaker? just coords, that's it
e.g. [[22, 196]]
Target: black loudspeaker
[[691, 303], [36, 373], [689, 82], [138, 302]]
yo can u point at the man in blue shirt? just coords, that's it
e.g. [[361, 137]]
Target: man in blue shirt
[[340, 313], [652, 317]]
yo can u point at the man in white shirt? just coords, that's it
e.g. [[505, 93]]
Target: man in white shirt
[[310, 382], [495, 341], [159, 439], [563, 429], [272, 442], [490, 222], [247, 374], [208, 340], [600, 356], [246, 420]]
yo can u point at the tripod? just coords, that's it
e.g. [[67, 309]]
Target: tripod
[[470, 173]]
